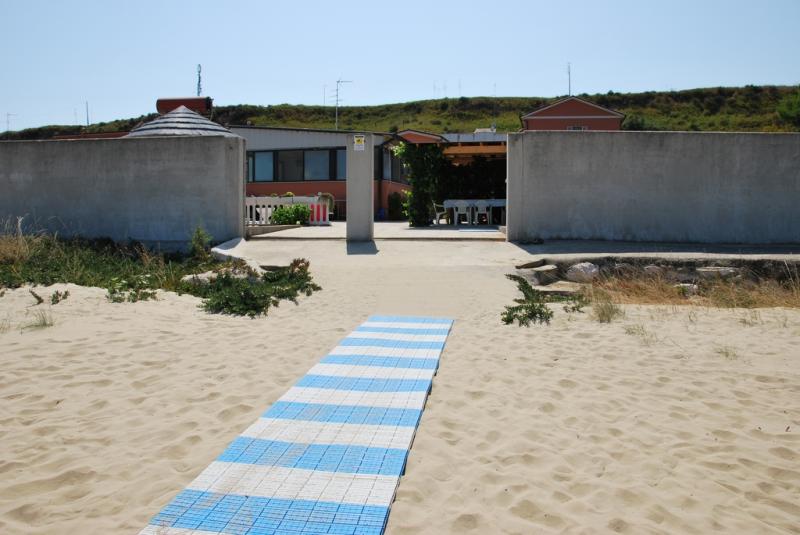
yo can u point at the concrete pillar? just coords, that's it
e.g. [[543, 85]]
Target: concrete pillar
[[360, 185], [515, 186]]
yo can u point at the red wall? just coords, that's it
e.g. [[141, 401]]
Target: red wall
[[599, 119], [563, 124]]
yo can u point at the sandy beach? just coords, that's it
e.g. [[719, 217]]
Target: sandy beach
[[669, 420]]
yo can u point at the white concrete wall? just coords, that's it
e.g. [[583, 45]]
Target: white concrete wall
[[360, 189], [654, 186], [148, 189]]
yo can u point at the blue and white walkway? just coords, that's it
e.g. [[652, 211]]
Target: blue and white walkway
[[328, 455]]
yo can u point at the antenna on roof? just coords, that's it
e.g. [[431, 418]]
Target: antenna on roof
[[8, 123], [199, 79], [569, 79], [87, 113], [339, 82]]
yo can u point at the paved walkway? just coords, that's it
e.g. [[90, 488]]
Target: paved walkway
[[328, 455], [391, 230]]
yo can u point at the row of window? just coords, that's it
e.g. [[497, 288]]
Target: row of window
[[315, 164], [296, 165]]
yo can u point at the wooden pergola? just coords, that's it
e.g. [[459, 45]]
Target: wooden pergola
[[462, 149]]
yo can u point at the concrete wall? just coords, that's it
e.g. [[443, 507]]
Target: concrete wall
[[360, 189], [654, 186], [148, 189]]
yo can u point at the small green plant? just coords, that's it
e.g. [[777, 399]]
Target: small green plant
[[57, 296], [200, 245], [133, 289], [295, 214], [531, 308], [39, 299], [253, 296], [41, 318], [603, 309]]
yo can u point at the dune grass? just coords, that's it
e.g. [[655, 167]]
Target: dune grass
[[745, 292], [131, 272]]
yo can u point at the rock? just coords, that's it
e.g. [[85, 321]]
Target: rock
[[546, 274], [534, 264], [564, 288], [653, 270], [716, 272], [200, 278], [583, 272], [687, 289]]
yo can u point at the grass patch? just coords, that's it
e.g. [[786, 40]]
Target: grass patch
[[42, 318], [130, 272], [745, 292], [648, 338], [604, 309]]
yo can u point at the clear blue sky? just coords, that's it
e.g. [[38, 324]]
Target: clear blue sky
[[122, 56]]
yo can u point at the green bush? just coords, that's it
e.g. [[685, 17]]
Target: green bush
[[789, 110], [294, 214], [531, 308], [200, 244], [253, 296]]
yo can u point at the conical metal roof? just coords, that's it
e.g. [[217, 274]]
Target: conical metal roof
[[180, 122]]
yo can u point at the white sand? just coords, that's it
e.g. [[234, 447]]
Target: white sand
[[577, 427]]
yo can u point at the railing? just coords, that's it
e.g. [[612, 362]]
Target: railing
[[258, 210]]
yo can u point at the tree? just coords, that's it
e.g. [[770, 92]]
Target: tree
[[424, 163], [789, 110]]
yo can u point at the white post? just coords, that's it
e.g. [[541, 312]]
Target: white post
[[360, 187]]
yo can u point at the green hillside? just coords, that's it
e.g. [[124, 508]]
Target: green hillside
[[749, 108]]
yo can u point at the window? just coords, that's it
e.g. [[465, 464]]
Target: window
[[317, 165], [341, 164], [262, 170], [387, 165], [290, 165], [250, 166], [398, 173], [577, 128]]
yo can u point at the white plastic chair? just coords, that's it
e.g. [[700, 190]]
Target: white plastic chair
[[483, 208], [462, 208], [438, 213]]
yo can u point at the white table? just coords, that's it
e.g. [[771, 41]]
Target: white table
[[449, 204]]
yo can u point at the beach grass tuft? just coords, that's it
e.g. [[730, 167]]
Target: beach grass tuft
[[42, 318], [130, 272]]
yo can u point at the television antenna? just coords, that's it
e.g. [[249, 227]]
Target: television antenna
[[339, 83], [199, 79], [569, 79], [8, 123]]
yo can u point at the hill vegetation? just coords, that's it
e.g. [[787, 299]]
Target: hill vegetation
[[745, 109]]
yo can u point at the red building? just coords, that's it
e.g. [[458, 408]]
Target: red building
[[572, 113]]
